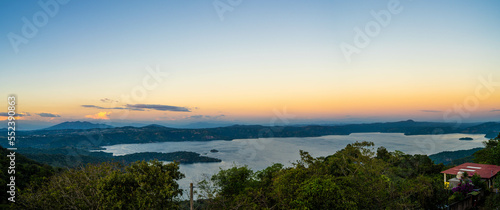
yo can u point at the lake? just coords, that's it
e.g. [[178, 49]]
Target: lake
[[261, 153]]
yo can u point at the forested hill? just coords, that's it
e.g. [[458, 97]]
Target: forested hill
[[454, 157], [123, 135], [77, 125], [26, 172]]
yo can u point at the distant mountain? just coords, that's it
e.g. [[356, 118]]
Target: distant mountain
[[78, 125], [82, 135], [154, 126], [491, 129], [206, 125], [452, 157]]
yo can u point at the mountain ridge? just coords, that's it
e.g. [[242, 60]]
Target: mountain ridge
[[96, 137], [77, 125]]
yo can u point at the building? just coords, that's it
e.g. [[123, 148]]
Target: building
[[486, 172]]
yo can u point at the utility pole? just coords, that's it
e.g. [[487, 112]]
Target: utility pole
[[191, 195]]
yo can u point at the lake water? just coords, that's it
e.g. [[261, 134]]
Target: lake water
[[261, 153]]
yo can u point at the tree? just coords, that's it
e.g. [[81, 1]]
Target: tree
[[323, 193], [27, 172], [233, 181], [140, 185], [490, 154], [71, 189], [351, 178], [143, 185]]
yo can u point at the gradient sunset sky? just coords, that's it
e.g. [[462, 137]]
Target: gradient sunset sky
[[252, 62]]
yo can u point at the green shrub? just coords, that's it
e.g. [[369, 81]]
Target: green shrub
[[457, 196]]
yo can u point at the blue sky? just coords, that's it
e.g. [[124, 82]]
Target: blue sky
[[264, 55]]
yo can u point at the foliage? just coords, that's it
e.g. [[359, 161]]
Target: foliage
[[108, 185], [143, 185], [75, 188], [490, 154], [27, 172], [353, 178], [492, 201], [478, 183], [459, 161], [322, 193], [455, 197], [496, 181]]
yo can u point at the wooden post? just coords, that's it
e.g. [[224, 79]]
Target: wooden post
[[191, 195]]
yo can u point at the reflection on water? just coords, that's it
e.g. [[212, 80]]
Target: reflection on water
[[260, 153]]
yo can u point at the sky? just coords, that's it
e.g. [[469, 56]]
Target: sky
[[250, 62]]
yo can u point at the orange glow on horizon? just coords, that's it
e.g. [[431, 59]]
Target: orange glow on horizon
[[99, 116]]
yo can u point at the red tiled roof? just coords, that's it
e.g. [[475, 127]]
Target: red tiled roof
[[485, 171]]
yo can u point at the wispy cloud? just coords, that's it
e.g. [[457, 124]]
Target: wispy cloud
[[48, 115], [93, 106], [100, 116], [495, 110], [5, 114], [107, 100], [143, 107], [100, 107], [430, 111], [158, 107]]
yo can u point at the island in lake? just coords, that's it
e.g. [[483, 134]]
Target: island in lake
[[71, 157], [466, 139]]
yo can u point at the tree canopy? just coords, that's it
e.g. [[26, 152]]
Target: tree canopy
[[140, 185], [352, 178], [490, 154]]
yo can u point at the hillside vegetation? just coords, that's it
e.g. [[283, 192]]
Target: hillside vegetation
[[358, 176]]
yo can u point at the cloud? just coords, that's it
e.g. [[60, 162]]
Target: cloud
[[158, 107], [93, 106], [195, 117], [107, 100], [431, 111], [144, 107], [48, 115], [100, 107], [495, 110], [5, 114], [100, 116]]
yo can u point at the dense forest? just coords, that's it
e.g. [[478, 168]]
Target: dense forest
[[27, 171], [358, 176], [454, 157]]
